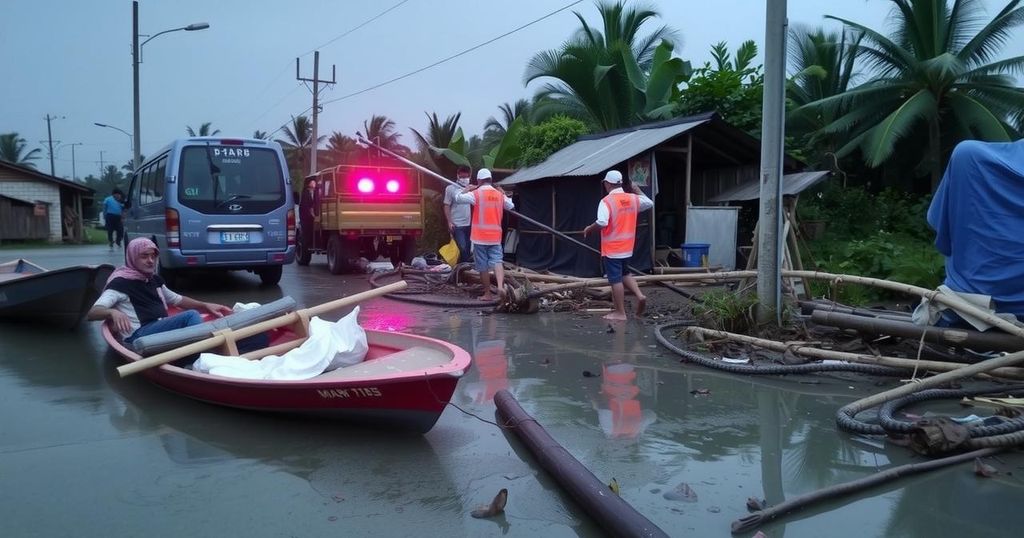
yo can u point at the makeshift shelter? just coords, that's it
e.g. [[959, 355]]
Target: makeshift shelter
[[40, 206], [681, 163]]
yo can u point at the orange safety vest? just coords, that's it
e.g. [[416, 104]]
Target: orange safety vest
[[619, 236], [488, 208]]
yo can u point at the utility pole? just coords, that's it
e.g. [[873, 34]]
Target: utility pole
[[136, 130], [49, 138], [101, 165], [316, 103], [769, 258], [74, 175]]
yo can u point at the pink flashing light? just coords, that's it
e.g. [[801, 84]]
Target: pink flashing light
[[392, 186], [365, 185]]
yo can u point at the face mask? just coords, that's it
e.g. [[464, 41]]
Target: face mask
[[463, 181]]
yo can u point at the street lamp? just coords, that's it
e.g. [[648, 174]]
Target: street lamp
[[73, 144], [136, 60], [131, 139]]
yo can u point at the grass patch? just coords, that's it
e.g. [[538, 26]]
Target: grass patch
[[726, 310]]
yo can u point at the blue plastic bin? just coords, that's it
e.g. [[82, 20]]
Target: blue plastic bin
[[695, 254]]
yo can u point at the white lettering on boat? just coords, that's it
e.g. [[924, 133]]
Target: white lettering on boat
[[368, 392]]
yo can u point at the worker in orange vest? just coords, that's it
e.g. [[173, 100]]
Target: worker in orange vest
[[489, 205], [616, 217]]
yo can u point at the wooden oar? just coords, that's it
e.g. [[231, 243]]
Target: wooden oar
[[223, 337]]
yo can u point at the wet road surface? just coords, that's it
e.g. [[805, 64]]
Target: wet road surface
[[85, 453]]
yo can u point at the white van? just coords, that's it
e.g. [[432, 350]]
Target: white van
[[215, 203]]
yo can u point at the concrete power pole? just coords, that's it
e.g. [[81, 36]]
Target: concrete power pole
[[769, 274], [316, 103]]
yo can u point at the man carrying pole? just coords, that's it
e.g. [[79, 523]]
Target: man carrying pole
[[489, 204], [616, 217]]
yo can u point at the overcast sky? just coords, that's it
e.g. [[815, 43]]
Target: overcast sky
[[72, 59]]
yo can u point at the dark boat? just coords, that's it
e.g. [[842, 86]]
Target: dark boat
[[59, 298]]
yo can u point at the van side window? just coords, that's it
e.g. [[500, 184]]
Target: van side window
[[146, 194], [159, 171]]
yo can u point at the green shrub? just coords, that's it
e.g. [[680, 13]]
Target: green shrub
[[726, 310]]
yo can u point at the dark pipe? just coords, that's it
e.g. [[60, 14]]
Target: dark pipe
[[981, 341], [614, 514], [809, 307], [840, 490]]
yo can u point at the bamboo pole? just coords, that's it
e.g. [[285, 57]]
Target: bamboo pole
[[896, 362], [286, 319], [987, 341]]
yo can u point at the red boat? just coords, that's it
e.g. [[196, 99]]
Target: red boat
[[404, 382]]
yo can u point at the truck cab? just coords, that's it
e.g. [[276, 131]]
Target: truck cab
[[370, 211]]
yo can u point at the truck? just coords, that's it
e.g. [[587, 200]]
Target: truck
[[370, 211]]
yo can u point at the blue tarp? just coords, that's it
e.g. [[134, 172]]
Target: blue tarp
[[978, 217]]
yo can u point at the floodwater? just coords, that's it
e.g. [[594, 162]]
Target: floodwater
[[85, 453]]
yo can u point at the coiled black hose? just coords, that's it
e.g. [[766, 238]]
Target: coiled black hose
[[773, 369], [889, 423], [847, 420]]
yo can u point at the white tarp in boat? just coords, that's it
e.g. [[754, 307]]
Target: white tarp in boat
[[329, 346]]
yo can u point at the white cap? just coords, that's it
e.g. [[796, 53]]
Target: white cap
[[483, 174], [614, 177]]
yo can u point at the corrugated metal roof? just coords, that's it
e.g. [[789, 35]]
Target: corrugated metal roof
[[593, 155], [792, 184]]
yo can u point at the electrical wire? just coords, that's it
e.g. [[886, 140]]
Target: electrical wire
[[452, 57], [358, 26]]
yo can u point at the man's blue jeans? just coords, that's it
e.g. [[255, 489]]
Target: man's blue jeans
[[180, 320], [461, 236]]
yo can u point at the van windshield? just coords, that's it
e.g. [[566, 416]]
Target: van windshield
[[230, 180]]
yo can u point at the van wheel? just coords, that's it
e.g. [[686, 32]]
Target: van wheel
[[302, 253], [271, 274], [335, 256]]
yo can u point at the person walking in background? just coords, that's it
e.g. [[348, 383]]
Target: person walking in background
[[616, 217], [458, 214], [113, 206], [308, 208], [489, 205]]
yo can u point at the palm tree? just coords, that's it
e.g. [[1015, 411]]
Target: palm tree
[[297, 143], [823, 65], [204, 130], [509, 113], [598, 73], [12, 150], [439, 137], [341, 148], [382, 130], [260, 135], [439, 133], [935, 79]]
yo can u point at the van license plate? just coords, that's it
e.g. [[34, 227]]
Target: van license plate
[[234, 237]]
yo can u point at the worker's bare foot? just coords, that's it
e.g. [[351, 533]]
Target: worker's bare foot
[[487, 297], [641, 305], [502, 294], [615, 316]]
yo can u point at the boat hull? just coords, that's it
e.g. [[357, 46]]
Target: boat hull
[[59, 298], [410, 401]]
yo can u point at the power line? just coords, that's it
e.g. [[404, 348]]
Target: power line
[[336, 38], [453, 56], [358, 26]]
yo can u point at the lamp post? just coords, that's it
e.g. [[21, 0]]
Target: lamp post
[[131, 139], [73, 144], [136, 60]]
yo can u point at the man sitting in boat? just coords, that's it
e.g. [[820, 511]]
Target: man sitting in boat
[[135, 299]]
